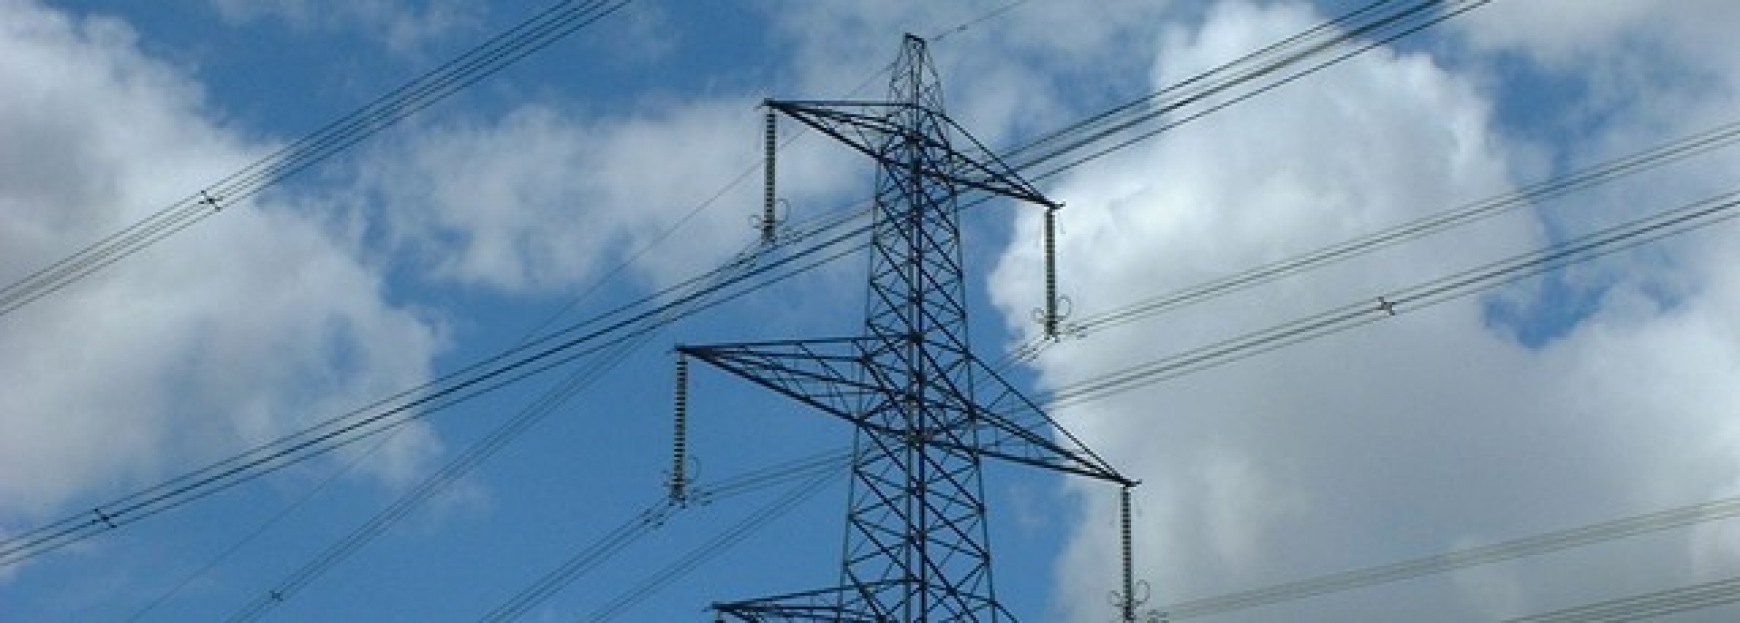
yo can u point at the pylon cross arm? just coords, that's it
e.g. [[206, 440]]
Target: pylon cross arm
[[824, 373], [866, 127], [834, 605], [836, 375], [1021, 432], [842, 604]]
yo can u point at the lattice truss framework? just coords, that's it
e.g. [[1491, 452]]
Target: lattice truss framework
[[927, 412]]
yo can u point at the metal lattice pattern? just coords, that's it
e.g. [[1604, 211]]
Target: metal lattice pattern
[[926, 411]]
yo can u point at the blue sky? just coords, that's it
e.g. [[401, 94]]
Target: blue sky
[[612, 164]]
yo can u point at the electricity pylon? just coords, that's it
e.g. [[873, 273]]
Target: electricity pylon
[[927, 411]]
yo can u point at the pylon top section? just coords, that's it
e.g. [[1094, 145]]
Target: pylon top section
[[915, 118]]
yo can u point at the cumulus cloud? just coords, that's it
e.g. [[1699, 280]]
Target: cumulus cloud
[[1429, 431], [542, 200], [257, 322]]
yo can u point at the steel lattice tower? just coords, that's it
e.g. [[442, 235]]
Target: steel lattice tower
[[926, 410]]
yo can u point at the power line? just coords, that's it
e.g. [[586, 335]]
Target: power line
[[1142, 108], [1685, 218], [1717, 137], [713, 548], [531, 35], [474, 456], [441, 480], [278, 518], [510, 46], [822, 466], [1647, 605], [502, 435], [1486, 554], [492, 373], [1209, 92], [588, 558]]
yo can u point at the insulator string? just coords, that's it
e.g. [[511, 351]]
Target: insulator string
[[680, 432], [1050, 319], [1129, 601], [767, 195]]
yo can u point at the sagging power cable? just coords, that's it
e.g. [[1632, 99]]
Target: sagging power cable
[[1534, 545], [473, 456], [1697, 215], [506, 48], [1718, 137], [761, 518], [1647, 605], [1244, 78], [490, 374], [821, 468]]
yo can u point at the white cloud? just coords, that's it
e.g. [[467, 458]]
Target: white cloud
[[1406, 438], [540, 200], [252, 324]]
